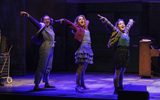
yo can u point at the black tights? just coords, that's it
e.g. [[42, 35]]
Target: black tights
[[118, 77], [80, 74]]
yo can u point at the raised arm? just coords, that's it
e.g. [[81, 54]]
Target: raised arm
[[129, 25], [69, 23], [87, 24], [105, 20], [32, 19]]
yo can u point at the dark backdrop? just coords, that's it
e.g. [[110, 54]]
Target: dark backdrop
[[24, 55]]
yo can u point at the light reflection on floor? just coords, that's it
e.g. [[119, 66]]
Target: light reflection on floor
[[100, 85]]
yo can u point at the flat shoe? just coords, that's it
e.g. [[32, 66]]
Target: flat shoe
[[49, 86]]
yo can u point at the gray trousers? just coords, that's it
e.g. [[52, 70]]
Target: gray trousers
[[45, 63]]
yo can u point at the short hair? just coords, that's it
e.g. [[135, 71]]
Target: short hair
[[51, 19]]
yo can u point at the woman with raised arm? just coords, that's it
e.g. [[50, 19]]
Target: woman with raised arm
[[120, 39], [46, 49], [84, 54]]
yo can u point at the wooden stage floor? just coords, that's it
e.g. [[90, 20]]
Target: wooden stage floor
[[100, 86]]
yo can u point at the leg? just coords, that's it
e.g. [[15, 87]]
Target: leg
[[83, 75], [40, 69], [47, 71], [79, 74], [78, 78], [43, 53], [48, 67], [121, 77], [123, 67], [116, 79]]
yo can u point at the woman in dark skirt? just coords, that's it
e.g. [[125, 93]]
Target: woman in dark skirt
[[120, 39], [84, 54]]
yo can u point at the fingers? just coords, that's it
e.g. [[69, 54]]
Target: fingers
[[24, 13], [87, 22], [60, 20], [99, 15], [131, 20]]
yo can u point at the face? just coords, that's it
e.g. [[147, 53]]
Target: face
[[121, 25], [46, 20], [81, 21]]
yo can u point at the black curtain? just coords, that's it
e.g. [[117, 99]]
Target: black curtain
[[24, 54]]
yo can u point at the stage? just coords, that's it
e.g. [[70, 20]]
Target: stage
[[100, 87]]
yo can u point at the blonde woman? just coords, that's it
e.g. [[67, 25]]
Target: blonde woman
[[84, 54]]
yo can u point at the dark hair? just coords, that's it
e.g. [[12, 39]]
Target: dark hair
[[51, 19], [116, 24]]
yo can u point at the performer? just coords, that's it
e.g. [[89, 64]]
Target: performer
[[119, 38], [45, 51], [84, 54]]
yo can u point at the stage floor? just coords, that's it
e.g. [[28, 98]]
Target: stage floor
[[100, 86]]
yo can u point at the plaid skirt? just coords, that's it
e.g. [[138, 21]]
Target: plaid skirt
[[121, 56], [84, 54]]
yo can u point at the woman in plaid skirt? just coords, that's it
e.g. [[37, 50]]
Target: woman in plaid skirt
[[120, 39]]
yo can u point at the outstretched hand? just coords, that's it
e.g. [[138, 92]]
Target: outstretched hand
[[61, 20], [131, 20], [99, 15], [23, 13], [87, 22], [103, 19]]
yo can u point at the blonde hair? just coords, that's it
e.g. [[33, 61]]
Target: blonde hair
[[76, 20]]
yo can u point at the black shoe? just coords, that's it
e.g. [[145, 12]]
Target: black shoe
[[115, 92], [37, 88], [79, 89], [49, 86], [84, 87], [1, 84], [118, 89]]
